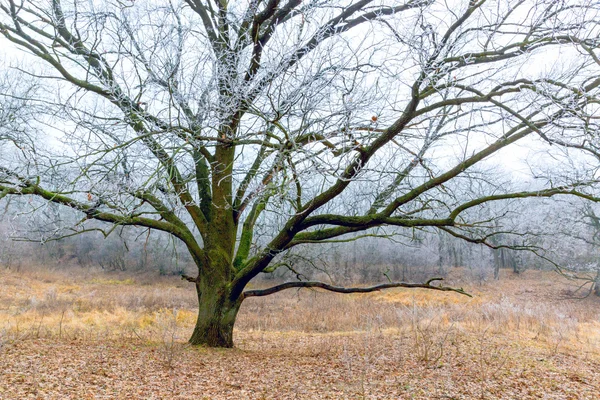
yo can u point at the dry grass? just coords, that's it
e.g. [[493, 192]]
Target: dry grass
[[66, 335]]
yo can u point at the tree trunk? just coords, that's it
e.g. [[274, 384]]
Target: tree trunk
[[216, 316], [217, 310], [597, 283], [496, 264]]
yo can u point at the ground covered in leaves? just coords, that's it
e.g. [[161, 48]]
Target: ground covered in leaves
[[522, 338]]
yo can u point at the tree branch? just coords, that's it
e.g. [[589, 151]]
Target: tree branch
[[346, 290], [188, 278]]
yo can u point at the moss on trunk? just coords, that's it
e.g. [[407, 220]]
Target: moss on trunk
[[216, 316]]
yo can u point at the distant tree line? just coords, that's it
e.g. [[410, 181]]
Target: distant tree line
[[414, 257]]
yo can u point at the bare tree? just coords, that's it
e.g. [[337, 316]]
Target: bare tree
[[593, 222], [246, 129], [582, 240]]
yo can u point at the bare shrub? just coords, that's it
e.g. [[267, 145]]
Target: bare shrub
[[489, 357], [169, 347], [429, 330]]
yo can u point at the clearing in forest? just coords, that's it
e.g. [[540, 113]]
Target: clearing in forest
[[66, 335]]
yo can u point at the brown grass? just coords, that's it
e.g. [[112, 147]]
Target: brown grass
[[79, 335]]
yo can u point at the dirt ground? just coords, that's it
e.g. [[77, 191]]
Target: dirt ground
[[521, 338]]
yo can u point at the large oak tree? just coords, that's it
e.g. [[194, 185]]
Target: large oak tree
[[248, 128]]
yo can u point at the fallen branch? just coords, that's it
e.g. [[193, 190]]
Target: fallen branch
[[340, 289]]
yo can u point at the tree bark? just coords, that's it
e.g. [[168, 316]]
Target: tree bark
[[216, 316], [217, 307], [496, 264]]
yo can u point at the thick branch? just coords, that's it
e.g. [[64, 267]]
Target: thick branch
[[345, 290], [169, 225]]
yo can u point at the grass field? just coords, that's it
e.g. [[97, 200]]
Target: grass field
[[81, 334]]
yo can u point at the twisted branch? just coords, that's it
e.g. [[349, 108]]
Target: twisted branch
[[345, 290]]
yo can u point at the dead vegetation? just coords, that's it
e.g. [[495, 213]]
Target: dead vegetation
[[82, 335]]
